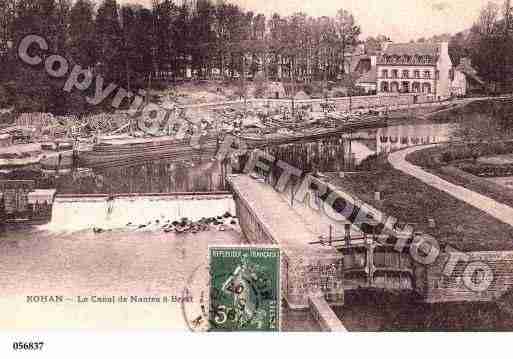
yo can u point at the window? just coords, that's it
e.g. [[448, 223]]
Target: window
[[416, 74], [427, 74], [394, 74], [384, 74], [406, 74]]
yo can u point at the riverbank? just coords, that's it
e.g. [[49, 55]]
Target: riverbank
[[479, 176]]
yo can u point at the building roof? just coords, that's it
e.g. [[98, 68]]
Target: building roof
[[356, 61], [369, 77], [411, 49]]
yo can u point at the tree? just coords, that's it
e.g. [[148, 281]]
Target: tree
[[459, 47], [7, 12], [375, 44], [347, 32], [82, 44], [487, 22], [492, 46], [110, 41], [7, 16]]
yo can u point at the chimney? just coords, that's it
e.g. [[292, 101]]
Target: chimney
[[444, 48], [374, 60]]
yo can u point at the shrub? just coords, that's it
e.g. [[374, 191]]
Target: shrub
[[260, 90], [4, 97], [447, 156], [308, 89]]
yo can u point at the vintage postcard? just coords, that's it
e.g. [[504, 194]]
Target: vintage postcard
[[256, 166]]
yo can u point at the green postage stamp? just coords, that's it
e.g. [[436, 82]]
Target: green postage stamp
[[244, 289]]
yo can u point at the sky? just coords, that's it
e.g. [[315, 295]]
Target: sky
[[401, 20]]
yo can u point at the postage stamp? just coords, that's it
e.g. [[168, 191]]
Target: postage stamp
[[244, 292]]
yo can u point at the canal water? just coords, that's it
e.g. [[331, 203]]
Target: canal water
[[162, 176], [68, 258], [114, 263], [394, 138]]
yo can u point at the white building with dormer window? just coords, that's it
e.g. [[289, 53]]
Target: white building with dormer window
[[422, 68]]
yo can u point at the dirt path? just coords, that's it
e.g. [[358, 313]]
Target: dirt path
[[496, 209]]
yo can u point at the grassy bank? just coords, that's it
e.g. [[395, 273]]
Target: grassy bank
[[411, 201], [464, 171]]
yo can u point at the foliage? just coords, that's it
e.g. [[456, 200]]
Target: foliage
[[134, 46]]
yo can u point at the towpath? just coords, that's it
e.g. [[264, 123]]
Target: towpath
[[496, 209]]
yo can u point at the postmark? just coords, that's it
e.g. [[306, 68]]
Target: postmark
[[195, 313], [244, 288]]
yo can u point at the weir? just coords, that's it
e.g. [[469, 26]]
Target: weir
[[81, 212]]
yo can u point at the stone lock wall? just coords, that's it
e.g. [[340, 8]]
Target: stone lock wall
[[442, 288]]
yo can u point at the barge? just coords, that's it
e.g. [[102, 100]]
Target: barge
[[118, 152]]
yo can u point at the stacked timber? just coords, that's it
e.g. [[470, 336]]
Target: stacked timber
[[121, 152]]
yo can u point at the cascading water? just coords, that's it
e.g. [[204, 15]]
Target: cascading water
[[76, 214]]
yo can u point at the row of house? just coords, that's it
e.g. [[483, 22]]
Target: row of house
[[418, 68]]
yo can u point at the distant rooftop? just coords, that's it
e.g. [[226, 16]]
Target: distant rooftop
[[411, 49]]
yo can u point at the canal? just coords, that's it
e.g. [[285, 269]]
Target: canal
[[66, 257]]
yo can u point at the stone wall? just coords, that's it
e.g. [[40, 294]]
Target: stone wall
[[309, 272], [324, 315], [442, 288], [305, 271], [253, 230]]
